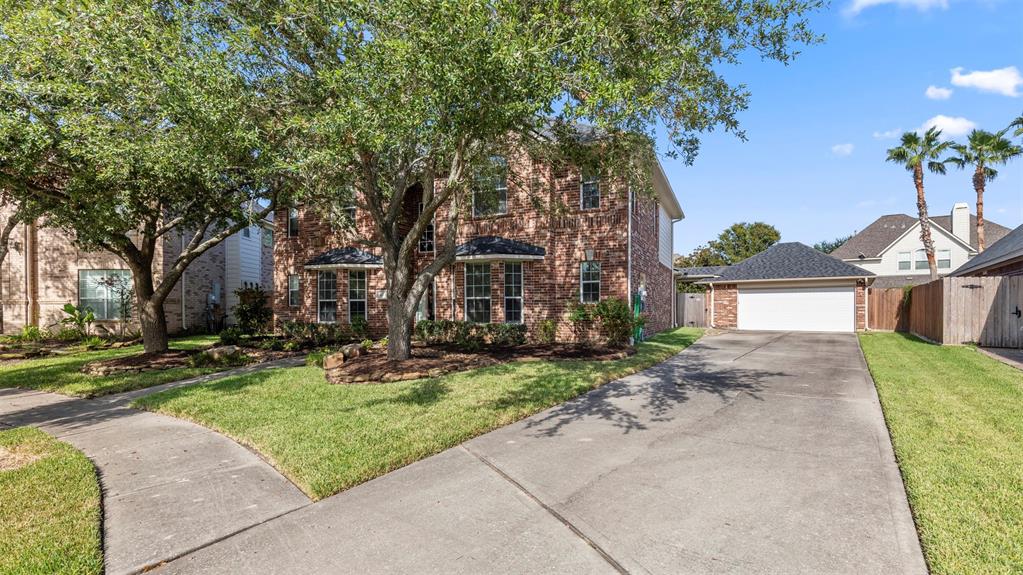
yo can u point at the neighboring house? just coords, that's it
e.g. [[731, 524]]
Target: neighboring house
[[891, 247], [515, 263], [1002, 258], [787, 287], [45, 270]]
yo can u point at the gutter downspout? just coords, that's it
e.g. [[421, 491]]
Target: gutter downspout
[[31, 276], [712, 306]]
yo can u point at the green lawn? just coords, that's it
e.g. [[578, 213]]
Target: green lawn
[[61, 373], [49, 507], [956, 419], [327, 438]]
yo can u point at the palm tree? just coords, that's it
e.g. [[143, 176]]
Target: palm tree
[[915, 152], [983, 150], [1018, 124]]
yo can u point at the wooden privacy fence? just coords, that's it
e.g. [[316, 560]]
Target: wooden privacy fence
[[983, 310], [690, 309]]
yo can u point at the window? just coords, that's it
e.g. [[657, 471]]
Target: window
[[921, 260], [905, 260], [589, 281], [426, 240], [268, 238], [294, 295], [513, 292], [477, 293], [356, 294], [247, 231], [590, 190], [326, 297], [292, 222], [490, 193], [944, 258], [348, 216], [101, 291]]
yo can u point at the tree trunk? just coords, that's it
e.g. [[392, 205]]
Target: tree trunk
[[399, 332], [154, 326], [978, 185], [925, 222]]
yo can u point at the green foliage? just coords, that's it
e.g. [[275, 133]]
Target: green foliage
[[359, 328], [616, 321], [78, 318], [744, 240], [581, 313], [67, 334], [318, 334], [31, 333], [203, 360], [271, 344], [700, 256], [547, 331], [93, 342], [317, 356], [828, 246], [470, 336], [253, 310], [231, 336]]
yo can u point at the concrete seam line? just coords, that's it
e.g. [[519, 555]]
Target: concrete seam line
[[762, 346], [575, 530]]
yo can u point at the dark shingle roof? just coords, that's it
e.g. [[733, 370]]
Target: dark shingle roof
[[498, 246], [886, 229], [1008, 247], [345, 256], [791, 260], [882, 282], [699, 271]]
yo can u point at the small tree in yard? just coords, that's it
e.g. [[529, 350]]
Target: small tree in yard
[[391, 96], [134, 131], [915, 153]]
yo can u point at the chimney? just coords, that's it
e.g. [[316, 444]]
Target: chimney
[[961, 221]]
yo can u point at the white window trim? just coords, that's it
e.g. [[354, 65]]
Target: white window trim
[[297, 291], [599, 279], [320, 299], [365, 296], [465, 292], [522, 292], [494, 188], [908, 261], [582, 183], [917, 260], [108, 300], [938, 258], [433, 233]]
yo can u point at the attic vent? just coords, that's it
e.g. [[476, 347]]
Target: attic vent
[[862, 256]]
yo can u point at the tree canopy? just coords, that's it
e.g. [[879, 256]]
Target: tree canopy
[[828, 246]]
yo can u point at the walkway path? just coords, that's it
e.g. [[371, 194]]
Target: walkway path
[[169, 486]]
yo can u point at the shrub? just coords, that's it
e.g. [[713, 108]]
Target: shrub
[[615, 320], [272, 344], [206, 360], [78, 318], [94, 342], [547, 331], [253, 312], [318, 334], [31, 333], [231, 336], [360, 328], [316, 357], [68, 334], [470, 336]]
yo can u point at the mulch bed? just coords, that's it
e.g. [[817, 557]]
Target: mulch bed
[[175, 358], [374, 367]]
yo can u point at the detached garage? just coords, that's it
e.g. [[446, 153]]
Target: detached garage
[[789, 287]]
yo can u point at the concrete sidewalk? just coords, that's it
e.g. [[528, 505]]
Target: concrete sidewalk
[[747, 453], [169, 486]]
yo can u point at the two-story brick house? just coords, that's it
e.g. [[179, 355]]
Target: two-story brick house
[[515, 262]]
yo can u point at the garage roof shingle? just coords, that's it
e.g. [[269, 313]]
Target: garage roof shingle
[[791, 260]]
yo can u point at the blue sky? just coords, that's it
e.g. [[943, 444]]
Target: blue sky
[[813, 165]]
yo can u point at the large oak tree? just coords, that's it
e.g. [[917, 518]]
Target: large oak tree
[[419, 94], [131, 126]]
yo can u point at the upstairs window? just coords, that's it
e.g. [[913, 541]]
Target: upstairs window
[[356, 294], [905, 260], [477, 293], [589, 282], [490, 193], [348, 216], [326, 297], [247, 232], [944, 259], [589, 190], [293, 222], [426, 240], [921, 260]]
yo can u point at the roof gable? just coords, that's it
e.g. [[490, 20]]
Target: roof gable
[[1008, 247], [876, 238], [791, 260]]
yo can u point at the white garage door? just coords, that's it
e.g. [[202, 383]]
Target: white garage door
[[798, 309]]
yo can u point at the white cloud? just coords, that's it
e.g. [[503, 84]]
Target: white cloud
[[857, 6], [936, 93], [842, 149], [950, 126], [1004, 81], [888, 134]]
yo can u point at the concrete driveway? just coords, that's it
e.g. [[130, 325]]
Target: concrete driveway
[[747, 453]]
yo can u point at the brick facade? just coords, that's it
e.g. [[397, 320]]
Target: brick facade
[[861, 305], [551, 286], [41, 274]]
